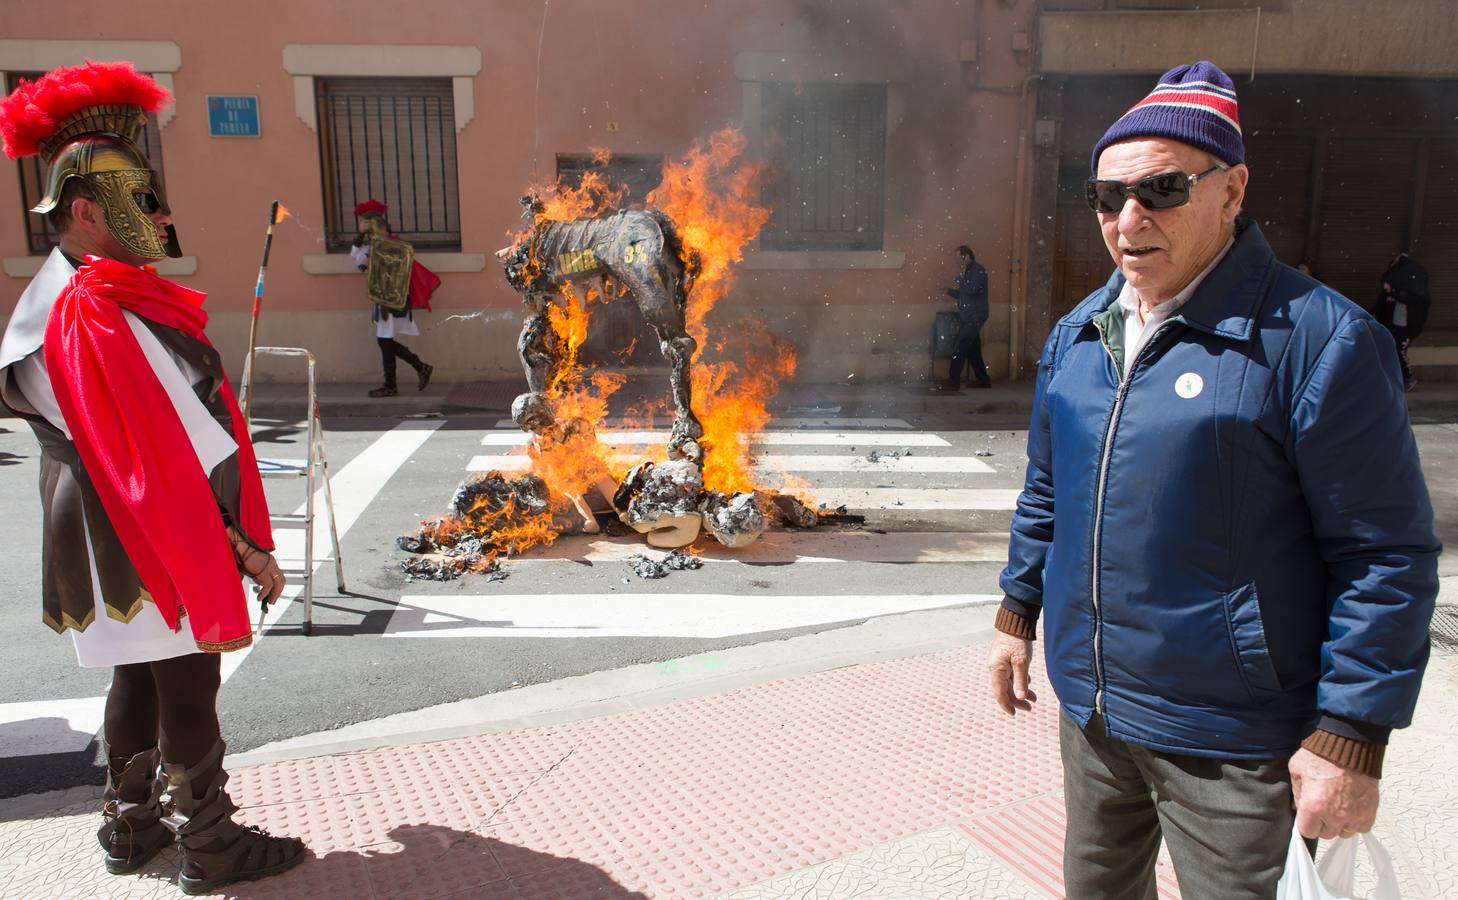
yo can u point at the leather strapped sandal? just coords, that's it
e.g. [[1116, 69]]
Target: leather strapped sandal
[[215, 849], [133, 832]]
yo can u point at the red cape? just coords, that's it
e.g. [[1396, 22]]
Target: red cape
[[137, 452], [423, 283]]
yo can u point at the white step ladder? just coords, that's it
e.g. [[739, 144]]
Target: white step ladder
[[313, 468]]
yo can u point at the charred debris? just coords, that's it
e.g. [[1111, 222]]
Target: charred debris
[[492, 517]]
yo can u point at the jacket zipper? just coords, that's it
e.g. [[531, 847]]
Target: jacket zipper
[[1127, 377]]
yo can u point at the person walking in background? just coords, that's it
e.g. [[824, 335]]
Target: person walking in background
[[970, 292], [1224, 528], [1403, 307], [395, 290], [151, 500]]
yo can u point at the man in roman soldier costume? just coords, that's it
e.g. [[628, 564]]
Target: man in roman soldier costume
[[151, 498], [397, 285]]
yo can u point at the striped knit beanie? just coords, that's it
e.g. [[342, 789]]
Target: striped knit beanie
[[1192, 104]]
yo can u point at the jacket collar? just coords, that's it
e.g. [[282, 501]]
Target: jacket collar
[[1225, 303]]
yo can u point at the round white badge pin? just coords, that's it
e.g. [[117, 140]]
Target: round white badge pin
[[1189, 385]]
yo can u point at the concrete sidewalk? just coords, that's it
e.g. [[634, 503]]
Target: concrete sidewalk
[[844, 399], [892, 778]]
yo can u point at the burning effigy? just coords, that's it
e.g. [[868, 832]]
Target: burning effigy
[[674, 259]]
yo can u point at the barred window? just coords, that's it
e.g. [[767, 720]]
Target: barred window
[[639, 173], [392, 140], [1161, 5], [827, 146], [39, 236]]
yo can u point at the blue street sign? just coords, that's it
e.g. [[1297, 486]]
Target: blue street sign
[[233, 116]]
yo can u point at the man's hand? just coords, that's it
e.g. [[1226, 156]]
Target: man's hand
[[1331, 802], [269, 579], [1008, 663], [258, 565]]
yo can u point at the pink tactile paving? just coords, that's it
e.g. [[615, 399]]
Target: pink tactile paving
[[684, 800], [689, 799], [1028, 837]]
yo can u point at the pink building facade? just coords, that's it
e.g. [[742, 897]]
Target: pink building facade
[[524, 89], [896, 129]]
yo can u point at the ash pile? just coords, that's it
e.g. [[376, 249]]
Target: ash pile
[[492, 517]]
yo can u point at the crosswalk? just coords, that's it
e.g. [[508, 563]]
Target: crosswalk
[[833, 451], [895, 474]]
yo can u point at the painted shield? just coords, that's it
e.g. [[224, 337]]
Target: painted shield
[[387, 274]]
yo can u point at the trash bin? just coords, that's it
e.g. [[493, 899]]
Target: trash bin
[[943, 338]]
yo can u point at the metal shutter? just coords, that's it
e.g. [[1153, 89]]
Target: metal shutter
[[1366, 199]]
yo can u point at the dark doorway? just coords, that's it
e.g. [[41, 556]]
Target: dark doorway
[[1345, 173]]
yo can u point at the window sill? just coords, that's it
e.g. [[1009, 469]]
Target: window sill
[[802, 260], [29, 266], [343, 263]]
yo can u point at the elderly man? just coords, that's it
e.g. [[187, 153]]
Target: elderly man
[[151, 502], [1224, 526]]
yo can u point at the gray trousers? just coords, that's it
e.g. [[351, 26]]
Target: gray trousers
[[1227, 822]]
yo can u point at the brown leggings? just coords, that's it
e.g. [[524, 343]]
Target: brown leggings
[[170, 703]]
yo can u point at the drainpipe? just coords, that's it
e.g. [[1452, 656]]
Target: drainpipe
[[1017, 275]]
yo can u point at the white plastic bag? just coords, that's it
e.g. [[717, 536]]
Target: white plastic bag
[[1335, 878]]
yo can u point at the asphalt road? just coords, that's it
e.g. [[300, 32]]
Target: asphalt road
[[389, 645]]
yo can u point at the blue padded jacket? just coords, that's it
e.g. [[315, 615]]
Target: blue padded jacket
[[1231, 541]]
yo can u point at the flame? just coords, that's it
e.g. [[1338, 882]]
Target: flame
[[595, 195], [504, 530], [713, 195], [713, 198], [732, 401], [572, 459], [283, 213]]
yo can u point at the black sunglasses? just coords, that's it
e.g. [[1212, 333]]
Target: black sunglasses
[[146, 201], [1164, 191]]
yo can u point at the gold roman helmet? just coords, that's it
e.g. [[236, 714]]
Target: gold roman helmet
[[103, 154], [84, 122]]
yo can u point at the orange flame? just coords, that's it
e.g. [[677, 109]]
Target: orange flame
[[505, 530], [714, 198], [732, 401]]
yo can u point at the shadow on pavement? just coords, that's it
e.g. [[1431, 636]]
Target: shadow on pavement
[[433, 860]]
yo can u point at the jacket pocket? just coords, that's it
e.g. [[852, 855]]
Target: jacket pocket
[[1248, 643]]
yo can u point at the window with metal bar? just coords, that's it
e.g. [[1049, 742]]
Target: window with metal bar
[[392, 140], [1160, 5], [827, 147], [39, 236], [639, 173]]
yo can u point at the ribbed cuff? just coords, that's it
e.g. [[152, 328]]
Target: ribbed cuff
[[1359, 756], [1353, 728], [1019, 626]]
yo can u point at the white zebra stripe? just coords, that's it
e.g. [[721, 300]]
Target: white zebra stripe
[[769, 464], [776, 438]]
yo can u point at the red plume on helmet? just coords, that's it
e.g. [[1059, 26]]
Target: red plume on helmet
[[370, 207], [37, 110]]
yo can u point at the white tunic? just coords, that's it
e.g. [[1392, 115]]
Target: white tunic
[[146, 638]]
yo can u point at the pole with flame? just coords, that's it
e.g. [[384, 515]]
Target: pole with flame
[[276, 215]]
